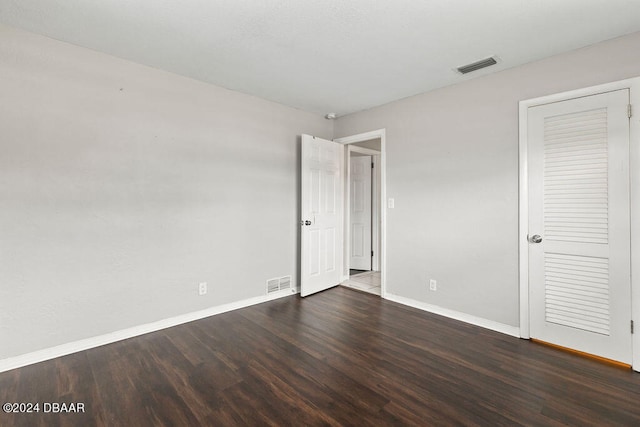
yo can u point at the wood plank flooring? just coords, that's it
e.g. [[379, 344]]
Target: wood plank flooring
[[341, 358]]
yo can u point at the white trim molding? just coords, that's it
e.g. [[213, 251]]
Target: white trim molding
[[634, 162], [88, 343], [513, 331]]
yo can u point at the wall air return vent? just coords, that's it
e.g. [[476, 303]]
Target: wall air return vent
[[278, 284], [487, 62], [273, 285]]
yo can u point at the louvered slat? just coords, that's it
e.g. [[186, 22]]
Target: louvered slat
[[576, 210], [577, 292], [575, 177]]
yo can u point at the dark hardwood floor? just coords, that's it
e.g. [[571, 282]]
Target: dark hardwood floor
[[340, 357]]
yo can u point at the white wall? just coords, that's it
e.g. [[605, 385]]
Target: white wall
[[452, 167], [374, 144], [122, 187]]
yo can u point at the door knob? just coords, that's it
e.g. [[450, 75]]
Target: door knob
[[307, 222], [536, 238]]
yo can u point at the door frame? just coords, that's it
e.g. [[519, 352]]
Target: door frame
[[361, 137], [375, 207], [634, 169], [375, 214]]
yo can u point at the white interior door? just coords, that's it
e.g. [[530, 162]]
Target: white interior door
[[360, 217], [579, 224], [322, 202]]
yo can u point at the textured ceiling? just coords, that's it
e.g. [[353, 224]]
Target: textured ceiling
[[326, 56]]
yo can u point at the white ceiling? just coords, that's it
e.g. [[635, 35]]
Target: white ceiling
[[326, 56]]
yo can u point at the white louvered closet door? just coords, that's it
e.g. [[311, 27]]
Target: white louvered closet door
[[579, 273]]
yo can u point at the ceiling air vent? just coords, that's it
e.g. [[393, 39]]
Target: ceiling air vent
[[477, 65]]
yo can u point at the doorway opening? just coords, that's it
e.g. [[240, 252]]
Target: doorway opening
[[363, 241], [325, 240]]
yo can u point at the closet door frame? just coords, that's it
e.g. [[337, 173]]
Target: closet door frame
[[634, 166]]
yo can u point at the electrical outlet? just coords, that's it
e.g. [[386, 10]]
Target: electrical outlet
[[202, 288], [433, 285]]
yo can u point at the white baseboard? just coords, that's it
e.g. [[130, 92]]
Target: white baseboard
[[514, 331], [85, 344]]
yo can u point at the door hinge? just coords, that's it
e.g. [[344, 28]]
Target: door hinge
[[371, 253], [629, 110], [371, 165], [632, 326]]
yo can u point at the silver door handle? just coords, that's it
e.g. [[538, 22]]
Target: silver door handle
[[536, 238]]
